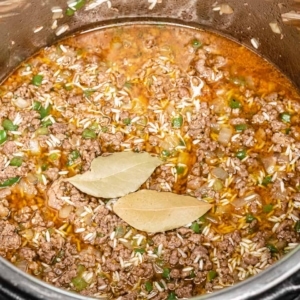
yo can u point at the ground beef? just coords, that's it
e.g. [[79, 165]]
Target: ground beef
[[55, 192], [184, 292], [250, 260], [9, 239]]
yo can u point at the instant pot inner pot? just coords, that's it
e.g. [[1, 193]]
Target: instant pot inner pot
[[27, 27]]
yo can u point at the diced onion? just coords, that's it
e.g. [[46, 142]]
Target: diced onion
[[218, 185], [34, 146], [21, 103], [269, 163], [219, 173], [65, 211], [27, 234], [170, 142], [27, 187], [225, 135], [22, 265], [32, 178], [88, 219], [217, 105], [79, 211]]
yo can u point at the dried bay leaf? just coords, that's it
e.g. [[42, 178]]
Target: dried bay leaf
[[153, 211], [116, 175]]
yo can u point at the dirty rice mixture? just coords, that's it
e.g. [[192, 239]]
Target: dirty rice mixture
[[225, 123]]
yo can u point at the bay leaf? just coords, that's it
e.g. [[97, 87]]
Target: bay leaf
[[116, 175], [153, 211]]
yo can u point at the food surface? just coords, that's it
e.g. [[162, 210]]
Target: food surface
[[224, 123]]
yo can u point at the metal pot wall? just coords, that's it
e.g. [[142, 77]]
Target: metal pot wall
[[25, 27]]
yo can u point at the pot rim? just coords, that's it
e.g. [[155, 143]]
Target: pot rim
[[251, 287], [247, 289]]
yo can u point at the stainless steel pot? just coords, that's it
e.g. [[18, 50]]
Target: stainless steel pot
[[25, 27]]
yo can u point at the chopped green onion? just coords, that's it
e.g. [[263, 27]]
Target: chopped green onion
[[203, 219], [148, 286], [127, 121], [180, 170], [3, 136], [165, 153], [241, 154], [171, 296], [192, 274], [297, 226], [16, 161], [94, 126], [42, 131], [267, 208], [53, 156], [288, 130], [196, 43], [44, 167], [285, 117], [128, 84], [272, 248], [37, 80], [72, 157], [46, 123], [10, 181], [249, 218], [87, 93], [104, 129], [139, 250], [68, 86], [44, 112], [9, 125], [166, 273], [267, 180], [89, 134], [70, 11], [79, 283], [79, 4], [233, 103], [240, 127], [195, 227], [74, 154], [36, 105], [177, 121], [211, 275]]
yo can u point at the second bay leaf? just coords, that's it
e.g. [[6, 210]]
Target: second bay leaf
[[153, 211], [116, 175]]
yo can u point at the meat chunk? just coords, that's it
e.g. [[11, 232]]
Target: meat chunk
[[9, 239], [54, 195], [185, 291], [250, 259], [9, 148]]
